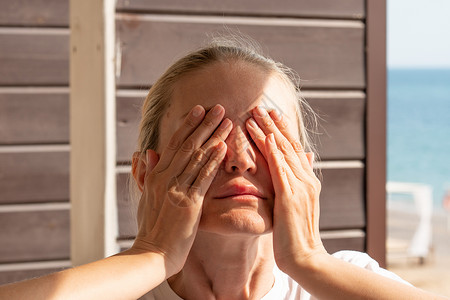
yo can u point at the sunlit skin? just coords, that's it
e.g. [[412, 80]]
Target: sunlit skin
[[211, 242], [233, 248], [239, 88]]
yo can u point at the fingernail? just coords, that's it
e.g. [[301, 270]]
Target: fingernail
[[252, 123], [261, 111], [276, 115], [225, 124], [271, 139], [220, 145], [216, 110], [197, 111]]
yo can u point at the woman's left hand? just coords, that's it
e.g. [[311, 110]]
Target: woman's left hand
[[296, 234]]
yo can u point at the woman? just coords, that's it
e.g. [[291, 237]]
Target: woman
[[229, 205]]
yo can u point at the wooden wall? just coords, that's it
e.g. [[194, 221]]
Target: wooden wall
[[324, 41], [34, 138]]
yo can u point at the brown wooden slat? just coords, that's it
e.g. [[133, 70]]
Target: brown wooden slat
[[334, 244], [128, 118], [341, 126], [34, 56], [344, 243], [34, 117], [326, 53], [34, 176], [34, 235], [304, 8], [126, 209], [34, 13], [341, 202], [342, 198], [14, 276]]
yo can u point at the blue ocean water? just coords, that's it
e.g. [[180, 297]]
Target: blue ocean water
[[418, 128]]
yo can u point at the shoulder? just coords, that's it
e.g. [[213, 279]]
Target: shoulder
[[364, 261], [290, 289]]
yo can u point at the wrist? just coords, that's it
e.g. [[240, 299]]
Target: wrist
[[305, 264], [157, 255]]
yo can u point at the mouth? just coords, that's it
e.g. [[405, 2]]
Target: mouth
[[240, 192]]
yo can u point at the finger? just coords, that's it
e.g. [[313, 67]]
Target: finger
[[283, 126], [277, 167], [206, 175], [202, 155], [267, 126], [190, 123], [200, 135], [152, 159], [310, 156], [257, 135]]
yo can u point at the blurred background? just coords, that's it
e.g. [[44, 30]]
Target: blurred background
[[418, 135], [337, 47]]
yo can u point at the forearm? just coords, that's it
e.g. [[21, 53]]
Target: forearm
[[327, 277], [127, 275]]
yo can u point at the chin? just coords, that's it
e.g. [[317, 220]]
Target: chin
[[236, 222]]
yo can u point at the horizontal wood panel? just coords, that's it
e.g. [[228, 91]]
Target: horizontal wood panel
[[17, 272], [34, 116], [34, 13], [341, 202], [14, 276], [326, 54], [34, 56], [332, 244], [128, 114], [335, 244], [126, 208], [340, 132], [34, 235], [304, 8], [36, 176], [342, 198], [341, 124]]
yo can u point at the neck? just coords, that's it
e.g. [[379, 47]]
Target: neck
[[220, 267]]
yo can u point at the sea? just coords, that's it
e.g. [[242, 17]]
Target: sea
[[418, 129]]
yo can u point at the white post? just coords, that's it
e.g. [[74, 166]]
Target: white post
[[92, 130]]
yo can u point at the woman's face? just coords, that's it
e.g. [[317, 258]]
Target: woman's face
[[238, 87]]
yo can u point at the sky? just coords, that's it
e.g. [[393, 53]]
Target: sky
[[418, 33]]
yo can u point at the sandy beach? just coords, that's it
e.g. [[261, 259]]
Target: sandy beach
[[431, 274]]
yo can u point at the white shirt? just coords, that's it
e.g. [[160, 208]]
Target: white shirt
[[286, 288]]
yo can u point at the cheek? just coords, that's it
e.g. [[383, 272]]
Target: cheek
[[263, 174]]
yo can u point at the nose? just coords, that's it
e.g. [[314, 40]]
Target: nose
[[240, 156]]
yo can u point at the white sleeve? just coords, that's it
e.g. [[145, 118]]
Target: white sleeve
[[364, 261]]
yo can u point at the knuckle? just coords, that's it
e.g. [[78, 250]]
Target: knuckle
[[191, 123], [284, 145], [268, 123], [198, 155], [188, 146], [174, 143], [281, 170], [204, 174], [208, 123], [283, 125], [297, 146]]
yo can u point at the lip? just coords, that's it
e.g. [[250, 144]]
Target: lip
[[239, 192]]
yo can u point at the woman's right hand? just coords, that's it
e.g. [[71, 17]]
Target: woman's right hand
[[173, 185]]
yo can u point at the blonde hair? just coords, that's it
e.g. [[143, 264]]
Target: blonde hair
[[218, 50]]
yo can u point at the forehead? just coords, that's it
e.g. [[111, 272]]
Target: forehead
[[237, 86]]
